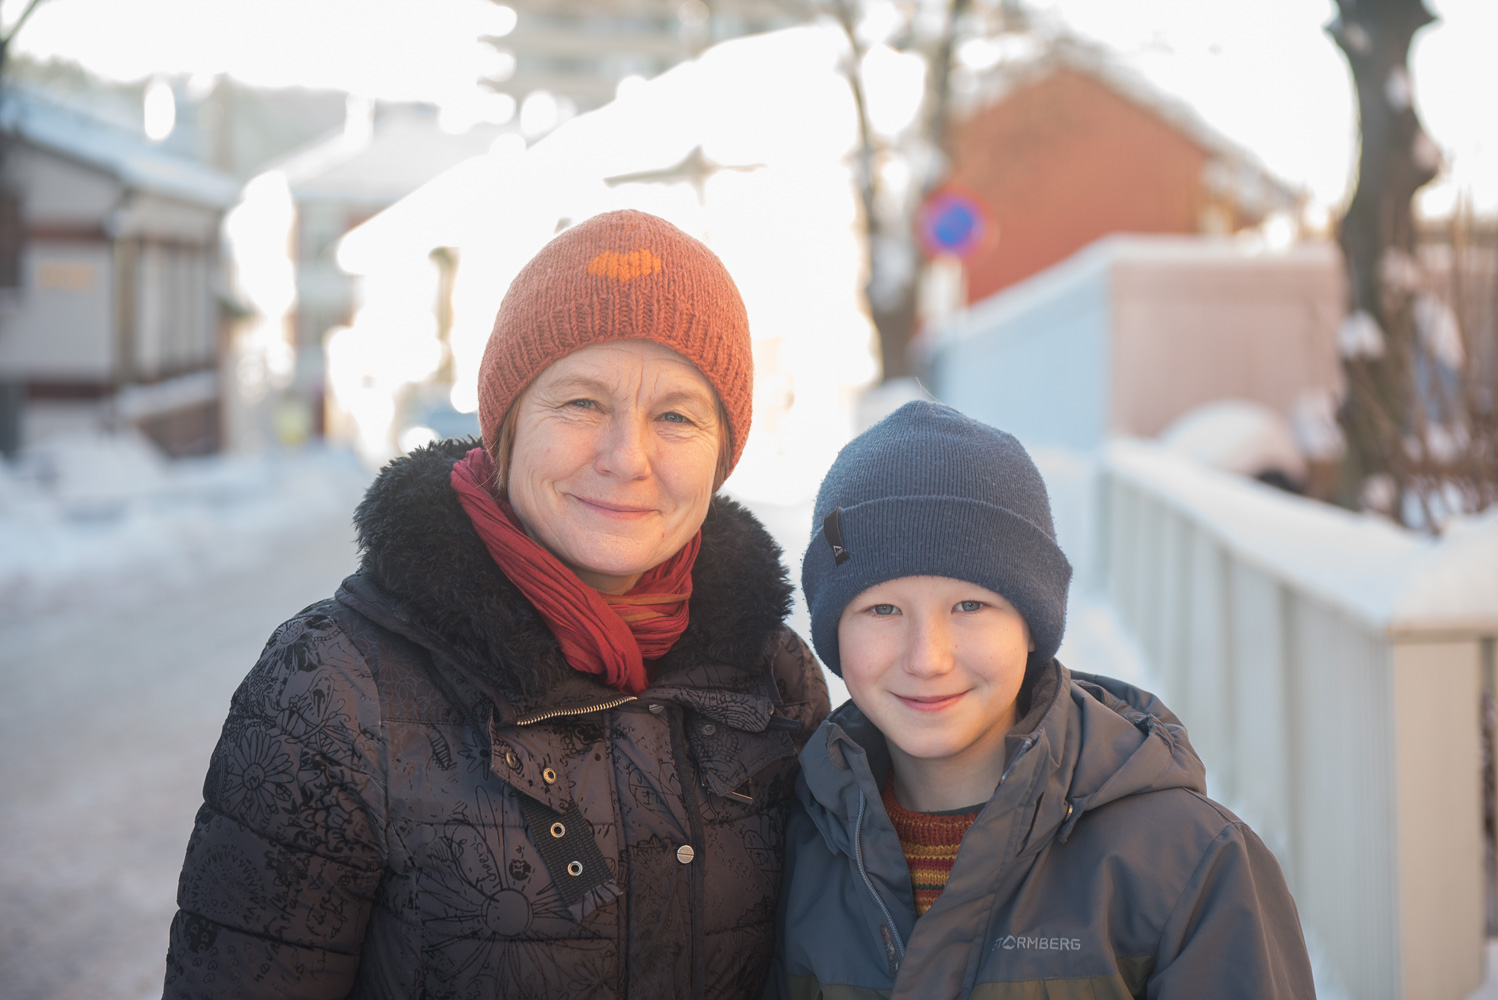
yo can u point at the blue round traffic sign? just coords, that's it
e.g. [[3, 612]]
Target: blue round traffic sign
[[952, 223]]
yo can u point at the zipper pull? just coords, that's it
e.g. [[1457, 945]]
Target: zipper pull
[[890, 954]]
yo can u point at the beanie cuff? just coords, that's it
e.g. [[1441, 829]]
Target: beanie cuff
[[946, 536]]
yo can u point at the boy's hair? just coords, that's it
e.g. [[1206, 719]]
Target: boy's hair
[[930, 492]]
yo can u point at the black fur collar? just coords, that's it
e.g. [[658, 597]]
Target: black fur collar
[[433, 578]]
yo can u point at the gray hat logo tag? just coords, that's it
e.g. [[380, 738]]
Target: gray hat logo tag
[[832, 529]]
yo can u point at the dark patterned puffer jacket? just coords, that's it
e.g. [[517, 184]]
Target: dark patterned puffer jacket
[[415, 796]]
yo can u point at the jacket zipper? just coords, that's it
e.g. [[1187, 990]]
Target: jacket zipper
[[556, 713], [858, 856], [863, 871]]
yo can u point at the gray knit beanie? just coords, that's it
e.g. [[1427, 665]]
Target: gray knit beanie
[[930, 492]]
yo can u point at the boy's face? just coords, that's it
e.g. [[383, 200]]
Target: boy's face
[[936, 664]]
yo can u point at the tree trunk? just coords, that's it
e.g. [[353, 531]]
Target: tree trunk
[[893, 261], [1382, 408]]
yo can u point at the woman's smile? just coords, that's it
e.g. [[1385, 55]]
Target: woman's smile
[[611, 509]]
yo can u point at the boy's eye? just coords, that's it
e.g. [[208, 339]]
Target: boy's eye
[[883, 610], [969, 605]]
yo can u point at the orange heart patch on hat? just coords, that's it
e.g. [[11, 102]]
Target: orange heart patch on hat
[[624, 266]]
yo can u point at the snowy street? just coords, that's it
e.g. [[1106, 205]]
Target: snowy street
[[114, 696]]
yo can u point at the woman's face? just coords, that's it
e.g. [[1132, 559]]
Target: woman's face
[[616, 446]]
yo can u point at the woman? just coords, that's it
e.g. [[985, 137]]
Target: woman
[[542, 744]]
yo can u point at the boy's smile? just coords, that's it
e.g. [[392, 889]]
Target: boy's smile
[[936, 664]]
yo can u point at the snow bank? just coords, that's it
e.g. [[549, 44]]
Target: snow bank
[[85, 516], [1237, 435]]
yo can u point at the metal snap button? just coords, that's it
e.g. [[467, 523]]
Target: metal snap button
[[708, 729], [512, 760], [574, 868], [685, 854], [558, 830], [657, 709], [549, 776]]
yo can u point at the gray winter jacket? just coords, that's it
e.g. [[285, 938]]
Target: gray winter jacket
[[1098, 869], [416, 796]]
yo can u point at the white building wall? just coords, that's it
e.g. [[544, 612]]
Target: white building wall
[[1034, 361], [56, 191], [63, 329], [156, 217]]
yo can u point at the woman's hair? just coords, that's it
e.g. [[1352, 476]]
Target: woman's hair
[[504, 445]]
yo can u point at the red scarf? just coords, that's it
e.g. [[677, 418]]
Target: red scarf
[[612, 636]]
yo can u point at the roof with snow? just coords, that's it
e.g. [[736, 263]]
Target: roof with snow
[[405, 148], [50, 124], [1027, 64]]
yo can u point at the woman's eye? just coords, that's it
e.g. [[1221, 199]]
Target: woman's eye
[[969, 605], [675, 418], [883, 610], [583, 404]]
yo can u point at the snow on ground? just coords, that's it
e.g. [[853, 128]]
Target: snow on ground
[[94, 514], [124, 629]]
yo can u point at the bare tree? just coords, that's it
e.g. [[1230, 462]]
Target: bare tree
[[7, 37], [1412, 414], [932, 29]]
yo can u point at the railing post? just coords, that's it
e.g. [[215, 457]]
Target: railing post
[[1437, 691]]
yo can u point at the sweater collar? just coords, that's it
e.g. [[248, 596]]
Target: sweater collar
[[1084, 742]]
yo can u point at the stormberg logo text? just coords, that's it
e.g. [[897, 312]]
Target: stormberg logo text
[[1023, 942]]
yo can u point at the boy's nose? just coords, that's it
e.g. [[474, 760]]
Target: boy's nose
[[929, 651]]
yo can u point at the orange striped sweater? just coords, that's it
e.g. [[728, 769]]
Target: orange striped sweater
[[930, 842]]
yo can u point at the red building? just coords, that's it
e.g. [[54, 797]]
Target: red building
[[1071, 148]]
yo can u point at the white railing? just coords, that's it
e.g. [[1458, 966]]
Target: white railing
[[1330, 669]]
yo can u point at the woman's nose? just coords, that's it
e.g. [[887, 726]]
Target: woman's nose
[[623, 450]]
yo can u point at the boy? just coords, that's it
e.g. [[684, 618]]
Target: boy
[[980, 821]]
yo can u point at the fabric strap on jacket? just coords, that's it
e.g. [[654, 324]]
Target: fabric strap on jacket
[[565, 842]]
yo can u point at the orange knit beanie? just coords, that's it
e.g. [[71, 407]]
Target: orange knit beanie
[[620, 276]]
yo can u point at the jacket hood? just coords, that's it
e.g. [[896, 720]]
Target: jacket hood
[[1086, 741], [426, 574]]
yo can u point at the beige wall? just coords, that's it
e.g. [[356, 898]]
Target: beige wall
[[1193, 326]]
